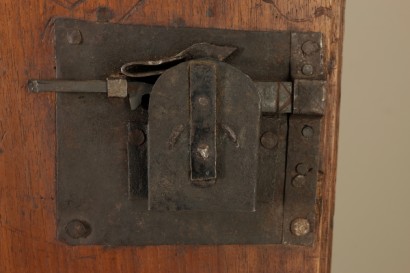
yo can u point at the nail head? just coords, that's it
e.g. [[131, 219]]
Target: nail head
[[269, 140], [137, 137], [300, 227], [310, 47], [77, 229], [307, 69], [307, 131], [74, 37], [299, 181]]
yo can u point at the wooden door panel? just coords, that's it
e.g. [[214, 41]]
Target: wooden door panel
[[27, 136]]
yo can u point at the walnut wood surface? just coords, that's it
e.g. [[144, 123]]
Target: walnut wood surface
[[27, 136]]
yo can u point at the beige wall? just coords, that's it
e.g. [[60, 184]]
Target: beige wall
[[372, 222]]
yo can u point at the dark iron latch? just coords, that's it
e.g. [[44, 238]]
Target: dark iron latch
[[218, 143]]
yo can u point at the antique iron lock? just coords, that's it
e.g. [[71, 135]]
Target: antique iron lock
[[206, 136]]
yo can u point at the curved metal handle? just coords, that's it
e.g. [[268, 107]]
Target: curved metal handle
[[142, 69]]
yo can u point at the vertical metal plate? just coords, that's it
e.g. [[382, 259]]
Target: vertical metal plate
[[307, 56], [202, 89], [300, 187]]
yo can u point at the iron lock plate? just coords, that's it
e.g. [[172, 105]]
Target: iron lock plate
[[108, 192]]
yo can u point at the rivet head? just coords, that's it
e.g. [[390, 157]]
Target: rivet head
[[307, 69], [203, 151], [77, 229], [203, 101], [307, 131], [300, 227], [269, 140], [299, 181], [310, 47], [137, 137], [74, 37], [302, 169]]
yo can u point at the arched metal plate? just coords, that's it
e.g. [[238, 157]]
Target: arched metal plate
[[204, 139]]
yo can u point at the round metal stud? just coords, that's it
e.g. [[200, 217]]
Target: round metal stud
[[307, 69], [300, 227], [310, 47], [77, 229], [137, 137], [74, 37], [307, 131], [299, 181], [302, 169], [269, 140]]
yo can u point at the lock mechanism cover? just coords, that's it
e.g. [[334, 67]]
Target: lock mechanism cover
[[186, 135]]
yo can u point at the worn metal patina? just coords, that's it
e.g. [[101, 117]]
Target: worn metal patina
[[216, 142]]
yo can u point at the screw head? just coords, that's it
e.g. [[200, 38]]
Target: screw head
[[299, 181], [300, 227], [74, 37], [307, 131], [302, 169], [310, 47], [269, 140], [77, 229], [307, 69], [137, 137]]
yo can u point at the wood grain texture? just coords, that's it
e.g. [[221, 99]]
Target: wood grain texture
[[27, 137]]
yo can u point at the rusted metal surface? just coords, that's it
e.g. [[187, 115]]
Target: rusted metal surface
[[131, 176], [300, 227], [307, 56], [137, 158], [276, 97], [141, 69], [303, 162], [271, 174], [117, 87], [202, 96], [269, 62], [236, 107], [309, 97], [300, 187]]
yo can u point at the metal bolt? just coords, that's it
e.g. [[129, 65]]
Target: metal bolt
[[300, 227], [137, 137], [78, 229], [307, 69], [269, 140], [307, 131], [299, 181], [310, 47], [302, 169], [74, 37]]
